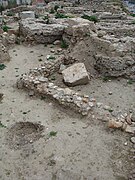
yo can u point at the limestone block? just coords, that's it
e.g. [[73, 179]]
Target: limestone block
[[75, 75]]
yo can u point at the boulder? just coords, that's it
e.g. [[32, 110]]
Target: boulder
[[75, 75]]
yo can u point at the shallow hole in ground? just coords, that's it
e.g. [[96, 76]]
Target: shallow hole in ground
[[22, 133]]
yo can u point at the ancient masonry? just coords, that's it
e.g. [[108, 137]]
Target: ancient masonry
[[112, 40], [37, 81]]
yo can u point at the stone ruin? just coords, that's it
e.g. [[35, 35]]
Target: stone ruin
[[37, 81], [40, 32], [111, 41], [113, 56]]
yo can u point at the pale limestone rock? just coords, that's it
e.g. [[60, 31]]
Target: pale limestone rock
[[75, 75]]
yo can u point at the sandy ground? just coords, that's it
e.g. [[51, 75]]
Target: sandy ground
[[82, 149]]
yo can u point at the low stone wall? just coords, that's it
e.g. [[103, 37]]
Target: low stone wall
[[115, 66], [64, 96], [37, 82], [119, 29], [19, 9], [41, 32], [73, 10], [120, 32], [48, 68]]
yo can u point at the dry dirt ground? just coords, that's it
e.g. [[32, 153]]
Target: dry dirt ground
[[81, 149]]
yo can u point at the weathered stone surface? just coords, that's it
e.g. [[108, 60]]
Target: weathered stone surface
[[27, 14], [40, 32], [130, 129], [37, 82], [114, 124], [115, 66], [108, 15], [75, 75], [7, 39], [133, 140]]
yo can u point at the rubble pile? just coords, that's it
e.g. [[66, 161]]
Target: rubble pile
[[124, 122]]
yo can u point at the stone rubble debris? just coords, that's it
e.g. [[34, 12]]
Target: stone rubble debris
[[36, 81], [124, 123], [69, 98]]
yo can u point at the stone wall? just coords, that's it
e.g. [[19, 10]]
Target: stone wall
[[19, 9], [115, 66], [37, 82], [41, 32]]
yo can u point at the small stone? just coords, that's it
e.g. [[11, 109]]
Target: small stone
[[133, 117], [59, 50], [133, 140], [128, 119], [68, 91], [52, 51], [107, 107], [110, 93], [36, 82], [48, 57], [50, 85], [101, 34], [62, 67], [99, 104], [31, 93], [43, 79], [114, 124], [130, 129], [125, 143], [57, 42], [124, 126], [31, 141], [91, 104], [85, 100], [78, 98]]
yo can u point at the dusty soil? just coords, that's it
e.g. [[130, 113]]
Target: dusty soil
[[58, 144]]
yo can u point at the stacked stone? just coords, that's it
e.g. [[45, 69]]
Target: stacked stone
[[19, 9], [73, 10], [37, 81], [48, 68], [69, 98], [41, 32]]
